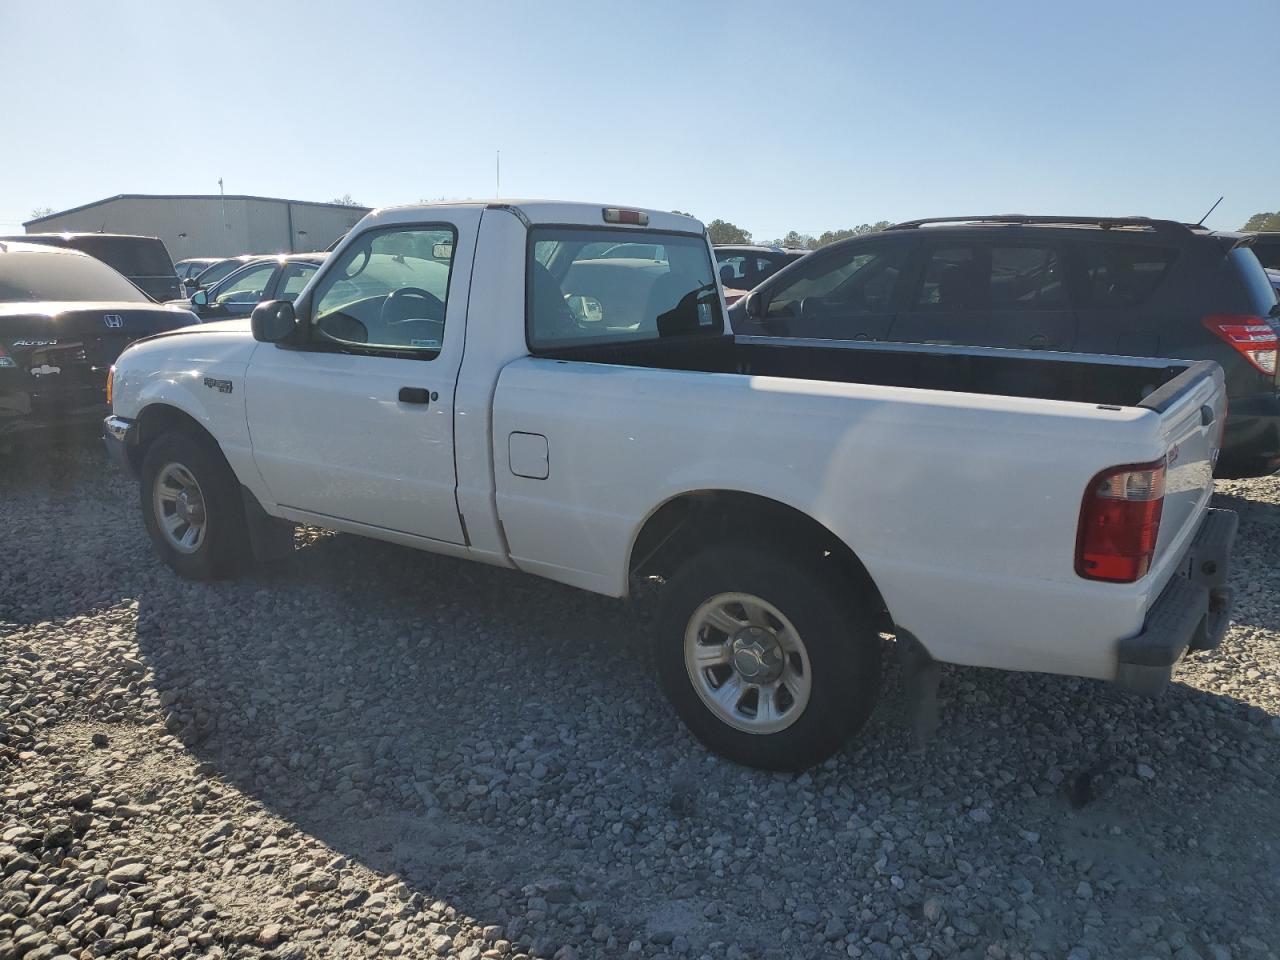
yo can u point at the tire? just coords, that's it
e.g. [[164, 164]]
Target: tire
[[221, 549], [838, 650]]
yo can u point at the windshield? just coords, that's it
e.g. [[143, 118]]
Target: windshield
[[35, 276], [215, 272], [602, 286]]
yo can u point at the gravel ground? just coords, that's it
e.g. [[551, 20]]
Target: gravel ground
[[366, 751]]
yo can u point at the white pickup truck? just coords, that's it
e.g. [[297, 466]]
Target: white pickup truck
[[491, 381]]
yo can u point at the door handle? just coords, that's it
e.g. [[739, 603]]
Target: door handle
[[417, 395]]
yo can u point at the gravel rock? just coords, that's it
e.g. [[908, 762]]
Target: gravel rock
[[364, 751]]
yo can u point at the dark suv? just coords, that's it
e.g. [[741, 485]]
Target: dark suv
[[143, 260], [1128, 285]]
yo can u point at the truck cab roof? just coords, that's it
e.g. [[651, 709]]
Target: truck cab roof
[[542, 211]]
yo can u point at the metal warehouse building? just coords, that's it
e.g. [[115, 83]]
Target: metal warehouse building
[[195, 225]]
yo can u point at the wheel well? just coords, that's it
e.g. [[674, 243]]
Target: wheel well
[[157, 420], [692, 521]]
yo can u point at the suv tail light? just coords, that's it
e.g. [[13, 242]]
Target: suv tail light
[[1120, 522], [1253, 337]]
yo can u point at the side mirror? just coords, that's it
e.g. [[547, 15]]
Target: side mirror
[[200, 298], [189, 283], [273, 321], [754, 305]]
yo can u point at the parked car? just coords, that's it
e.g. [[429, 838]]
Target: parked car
[[460, 378], [187, 270], [1126, 286], [1274, 277], [219, 269], [143, 260], [64, 317], [257, 279], [744, 267]]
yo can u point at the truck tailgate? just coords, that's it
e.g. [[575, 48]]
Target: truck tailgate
[[1192, 409]]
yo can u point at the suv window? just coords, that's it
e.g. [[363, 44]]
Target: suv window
[[858, 280], [387, 292], [975, 276], [1123, 274], [580, 292]]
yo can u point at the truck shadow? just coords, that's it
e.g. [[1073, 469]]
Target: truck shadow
[[488, 736]]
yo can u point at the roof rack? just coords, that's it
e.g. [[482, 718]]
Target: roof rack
[[1106, 223]]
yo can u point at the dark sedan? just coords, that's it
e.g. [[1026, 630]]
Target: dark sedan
[[64, 318]]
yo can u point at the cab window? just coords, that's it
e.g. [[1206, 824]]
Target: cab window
[[387, 292], [581, 291]]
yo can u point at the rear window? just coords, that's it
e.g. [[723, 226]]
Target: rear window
[[581, 292], [132, 256], [27, 277], [1262, 295], [1123, 274]]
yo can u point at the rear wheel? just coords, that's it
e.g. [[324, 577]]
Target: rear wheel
[[772, 660], [192, 508]]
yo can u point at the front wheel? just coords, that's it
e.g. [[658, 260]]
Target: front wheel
[[192, 508], [772, 660]]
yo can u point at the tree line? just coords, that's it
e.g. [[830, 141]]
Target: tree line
[[723, 232], [1262, 221]]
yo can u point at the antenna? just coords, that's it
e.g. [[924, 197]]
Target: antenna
[[1201, 221]]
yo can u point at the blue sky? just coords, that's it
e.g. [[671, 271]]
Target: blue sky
[[776, 116]]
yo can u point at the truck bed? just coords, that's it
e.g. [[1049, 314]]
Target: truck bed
[[1083, 378]]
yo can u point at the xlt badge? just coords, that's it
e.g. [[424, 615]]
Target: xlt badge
[[222, 386]]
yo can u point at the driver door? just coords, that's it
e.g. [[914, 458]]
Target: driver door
[[356, 424]]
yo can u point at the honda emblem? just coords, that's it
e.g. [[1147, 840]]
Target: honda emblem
[[113, 320]]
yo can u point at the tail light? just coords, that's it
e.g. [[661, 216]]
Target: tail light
[[1120, 522], [1253, 337]]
